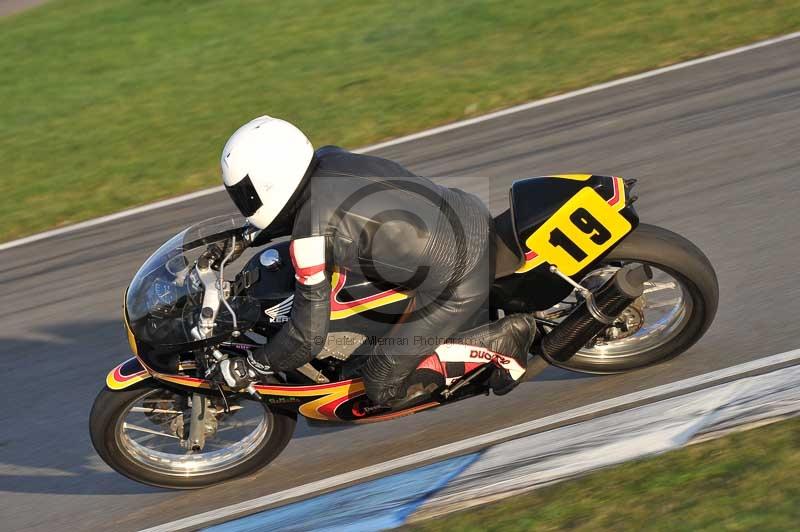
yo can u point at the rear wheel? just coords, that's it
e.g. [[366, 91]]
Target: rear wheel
[[145, 434], [676, 309]]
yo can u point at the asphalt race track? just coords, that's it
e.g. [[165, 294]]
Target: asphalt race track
[[715, 147]]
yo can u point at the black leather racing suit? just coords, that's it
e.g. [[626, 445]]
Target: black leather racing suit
[[396, 228]]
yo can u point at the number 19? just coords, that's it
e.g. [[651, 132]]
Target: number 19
[[586, 223]]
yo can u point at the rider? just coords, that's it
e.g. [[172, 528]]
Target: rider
[[372, 216]]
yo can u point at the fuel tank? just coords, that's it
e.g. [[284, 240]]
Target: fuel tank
[[357, 304]]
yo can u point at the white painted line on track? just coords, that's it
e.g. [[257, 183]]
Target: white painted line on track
[[475, 442], [109, 218], [419, 135]]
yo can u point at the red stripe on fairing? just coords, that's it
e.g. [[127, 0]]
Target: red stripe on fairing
[[329, 409], [119, 377], [615, 198], [530, 255], [338, 305]]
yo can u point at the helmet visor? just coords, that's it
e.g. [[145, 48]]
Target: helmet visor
[[245, 197]]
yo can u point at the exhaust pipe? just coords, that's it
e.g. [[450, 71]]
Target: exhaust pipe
[[596, 312]]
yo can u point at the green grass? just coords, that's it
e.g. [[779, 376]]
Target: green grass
[[744, 481], [106, 105]]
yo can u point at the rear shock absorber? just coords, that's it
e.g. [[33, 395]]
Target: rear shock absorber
[[597, 311]]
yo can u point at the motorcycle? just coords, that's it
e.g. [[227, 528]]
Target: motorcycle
[[610, 295]]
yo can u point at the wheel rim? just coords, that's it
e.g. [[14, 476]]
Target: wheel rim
[[665, 309], [149, 431]]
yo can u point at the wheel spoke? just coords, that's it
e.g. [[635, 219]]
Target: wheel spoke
[[234, 426], [661, 304], [157, 443], [148, 431], [232, 408], [657, 287], [155, 410]]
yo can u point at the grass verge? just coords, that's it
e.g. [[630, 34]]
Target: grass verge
[[743, 481], [110, 105]]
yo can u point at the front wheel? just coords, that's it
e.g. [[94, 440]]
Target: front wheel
[[145, 433], [676, 309]]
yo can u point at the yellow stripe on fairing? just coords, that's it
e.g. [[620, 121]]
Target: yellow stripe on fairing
[[573, 177], [345, 313], [335, 279], [311, 409], [114, 384], [297, 393]]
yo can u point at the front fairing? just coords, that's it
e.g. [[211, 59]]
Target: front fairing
[[164, 301]]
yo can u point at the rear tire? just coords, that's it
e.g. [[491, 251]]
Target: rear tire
[[110, 405], [684, 261]]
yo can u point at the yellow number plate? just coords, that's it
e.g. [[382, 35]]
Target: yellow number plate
[[577, 234]]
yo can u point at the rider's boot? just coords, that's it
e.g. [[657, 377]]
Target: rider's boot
[[420, 385], [515, 343], [510, 338]]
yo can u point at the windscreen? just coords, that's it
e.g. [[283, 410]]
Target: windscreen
[[165, 298]]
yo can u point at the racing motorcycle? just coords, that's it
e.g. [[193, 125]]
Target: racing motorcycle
[[610, 295]]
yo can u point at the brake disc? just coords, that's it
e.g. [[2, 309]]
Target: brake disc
[[627, 324]]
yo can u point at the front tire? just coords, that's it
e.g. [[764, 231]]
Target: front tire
[[128, 457], [679, 258]]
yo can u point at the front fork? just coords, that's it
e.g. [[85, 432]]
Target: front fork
[[198, 424]]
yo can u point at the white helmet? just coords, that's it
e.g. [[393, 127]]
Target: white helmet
[[263, 165]]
